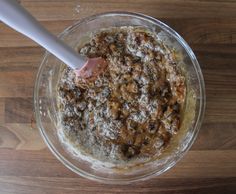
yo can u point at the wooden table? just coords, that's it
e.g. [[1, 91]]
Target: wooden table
[[26, 164]]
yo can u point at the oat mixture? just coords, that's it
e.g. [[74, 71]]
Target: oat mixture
[[131, 110]]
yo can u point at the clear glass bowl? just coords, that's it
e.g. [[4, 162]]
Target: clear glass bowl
[[46, 108]]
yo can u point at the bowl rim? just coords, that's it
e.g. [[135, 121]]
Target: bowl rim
[[199, 117]]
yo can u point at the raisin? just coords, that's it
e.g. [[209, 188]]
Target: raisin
[[153, 126]]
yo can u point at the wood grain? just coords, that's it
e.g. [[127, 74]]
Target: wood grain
[[28, 185], [18, 110], [64, 10], [210, 31], [20, 137], [2, 110], [26, 164]]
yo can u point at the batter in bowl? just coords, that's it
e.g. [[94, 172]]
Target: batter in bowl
[[132, 109]]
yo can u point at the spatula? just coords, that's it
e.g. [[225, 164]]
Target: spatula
[[15, 16]]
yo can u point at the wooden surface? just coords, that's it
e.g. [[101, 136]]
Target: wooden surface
[[27, 166]]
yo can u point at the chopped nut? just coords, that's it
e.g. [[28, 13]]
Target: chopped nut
[[137, 67], [132, 87], [112, 47], [81, 105], [114, 109], [132, 125], [138, 140]]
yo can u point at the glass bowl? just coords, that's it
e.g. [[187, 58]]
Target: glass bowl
[[46, 110]]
